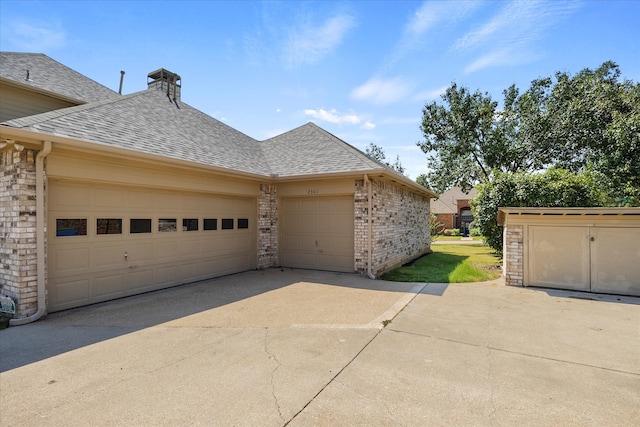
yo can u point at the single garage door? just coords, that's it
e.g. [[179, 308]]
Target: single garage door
[[591, 259], [106, 242], [317, 233]]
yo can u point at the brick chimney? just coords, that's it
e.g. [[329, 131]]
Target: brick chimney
[[166, 81]]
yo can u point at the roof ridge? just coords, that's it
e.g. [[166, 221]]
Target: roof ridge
[[349, 147]]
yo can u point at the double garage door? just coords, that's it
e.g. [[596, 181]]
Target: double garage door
[[106, 242], [585, 258]]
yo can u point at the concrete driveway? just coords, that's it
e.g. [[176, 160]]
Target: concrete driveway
[[300, 348]]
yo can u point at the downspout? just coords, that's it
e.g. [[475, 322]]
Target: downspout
[[40, 247], [369, 234]]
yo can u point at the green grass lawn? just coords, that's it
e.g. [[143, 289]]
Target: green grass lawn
[[450, 264], [442, 237]]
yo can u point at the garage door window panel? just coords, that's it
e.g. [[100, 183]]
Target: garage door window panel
[[140, 225], [210, 224], [167, 225], [227, 224], [190, 224], [71, 227], [109, 226]]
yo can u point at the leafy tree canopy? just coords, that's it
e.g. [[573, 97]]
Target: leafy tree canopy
[[377, 153], [586, 122], [552, 188]]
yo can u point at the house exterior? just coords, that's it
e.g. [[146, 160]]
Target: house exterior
[[106, 195], [581, 249], [453, 210]]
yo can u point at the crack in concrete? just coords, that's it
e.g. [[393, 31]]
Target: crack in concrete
[[273, 372], [393, 313], [515, 352]]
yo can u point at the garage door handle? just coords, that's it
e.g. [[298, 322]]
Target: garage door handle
[[593, 239], [316, 243]]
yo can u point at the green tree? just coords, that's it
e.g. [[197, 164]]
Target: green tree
[[423, 180], [377, 153], [552, 188], [590, 121]]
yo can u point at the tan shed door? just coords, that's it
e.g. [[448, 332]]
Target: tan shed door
[[615, 260], [583, 258], [317, 233], [559, 257], [107, 242]]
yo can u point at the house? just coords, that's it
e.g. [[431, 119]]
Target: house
[[453, 210], [106, 195]]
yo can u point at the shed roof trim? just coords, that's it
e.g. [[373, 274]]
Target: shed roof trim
[[597, 211]]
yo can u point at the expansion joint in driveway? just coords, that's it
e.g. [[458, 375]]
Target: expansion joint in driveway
[[389, 315]]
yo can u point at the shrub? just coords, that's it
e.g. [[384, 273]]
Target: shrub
[[452, 232], [553, 188]]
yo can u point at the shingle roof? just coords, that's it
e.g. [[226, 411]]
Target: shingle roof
[[50, 76], [309, 150], [447, 202], [150, 122]]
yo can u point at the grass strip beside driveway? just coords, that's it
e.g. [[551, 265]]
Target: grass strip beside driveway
[[450, 264]]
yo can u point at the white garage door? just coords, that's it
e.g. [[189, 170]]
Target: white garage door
[[106, 242], [317, 233], [591, 259]]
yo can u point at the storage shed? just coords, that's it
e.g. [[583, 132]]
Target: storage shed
[[582, 249]]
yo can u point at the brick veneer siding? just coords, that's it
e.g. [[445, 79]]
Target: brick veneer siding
[[446, 220], [400, 226], [18, 263], [513, 253], [267, 226], [361, 227]]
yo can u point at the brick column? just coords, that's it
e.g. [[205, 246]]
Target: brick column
[[513, 253], [18, 262], [361, 227], [267, 226]]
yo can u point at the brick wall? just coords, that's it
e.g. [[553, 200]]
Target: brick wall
[[18, 263], [513, 254], [267, 226], [446, 220], [400, 226]]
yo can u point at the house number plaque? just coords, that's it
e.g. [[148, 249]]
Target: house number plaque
[[312, 191]]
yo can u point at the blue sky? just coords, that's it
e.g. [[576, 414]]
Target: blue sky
[[363, 70]]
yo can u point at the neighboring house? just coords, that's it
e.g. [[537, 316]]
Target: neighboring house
[[114, 195], [453, 210]]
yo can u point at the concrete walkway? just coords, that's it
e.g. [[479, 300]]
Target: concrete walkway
[[300, 348]]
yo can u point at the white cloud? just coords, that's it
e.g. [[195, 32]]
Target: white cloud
[[368, 126], [308, 44], [332, 116], [382, 92], [513, 30], [431, 94], [34, 37], [428, 16]]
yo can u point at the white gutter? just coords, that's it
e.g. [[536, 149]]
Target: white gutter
[[369, 234], [40, 248]]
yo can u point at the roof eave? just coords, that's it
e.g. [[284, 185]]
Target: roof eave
[[35, 138], [41, 91]]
